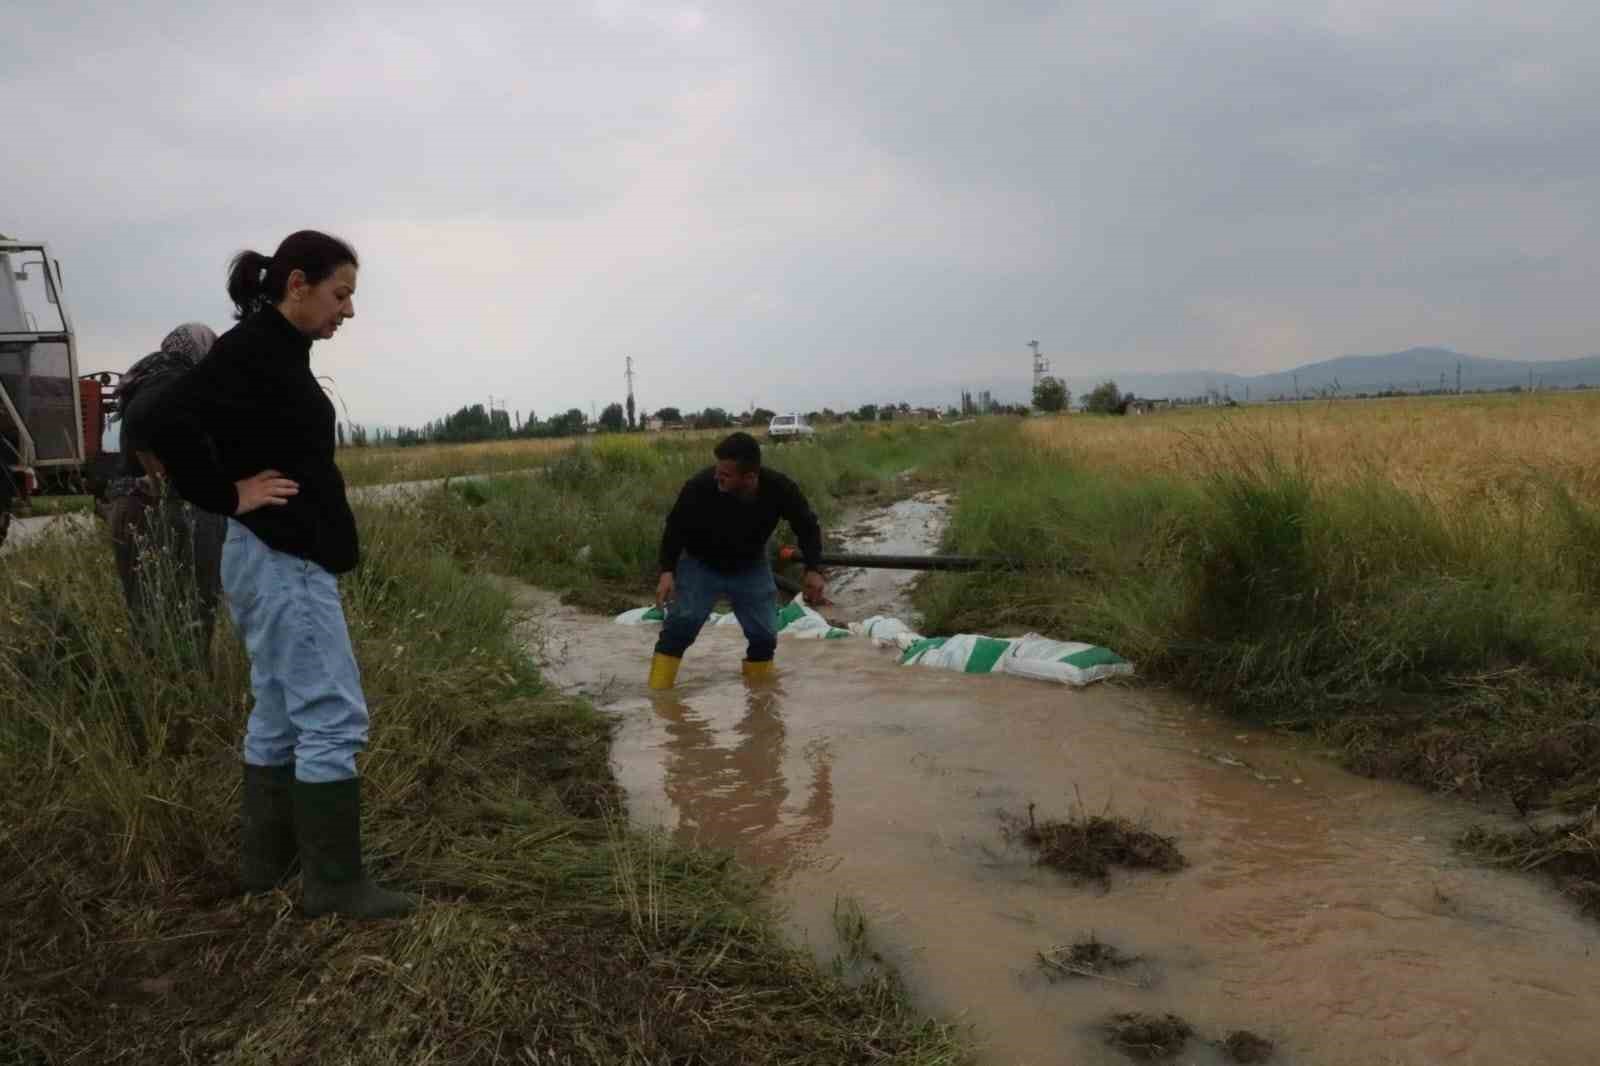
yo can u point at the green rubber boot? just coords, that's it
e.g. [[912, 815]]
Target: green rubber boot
[[327, 819], [267, 851]]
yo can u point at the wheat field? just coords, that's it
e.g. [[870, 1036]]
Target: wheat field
[[1450, 450]]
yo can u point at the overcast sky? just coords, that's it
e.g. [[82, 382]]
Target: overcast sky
[[817, 203]]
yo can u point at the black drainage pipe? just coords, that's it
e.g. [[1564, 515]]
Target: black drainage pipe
[[904, 562]]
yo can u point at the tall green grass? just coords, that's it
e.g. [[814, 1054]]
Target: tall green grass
[[592, 522], [550, 932], [1452, 646]]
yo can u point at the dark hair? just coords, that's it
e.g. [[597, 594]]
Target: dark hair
[[255, 281], [742, 449]]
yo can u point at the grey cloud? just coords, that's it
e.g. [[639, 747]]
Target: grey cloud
[[826, 202]]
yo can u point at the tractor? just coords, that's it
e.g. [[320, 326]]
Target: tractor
[[52, 419]]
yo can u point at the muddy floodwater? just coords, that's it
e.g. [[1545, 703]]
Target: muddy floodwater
[[1324, 911]]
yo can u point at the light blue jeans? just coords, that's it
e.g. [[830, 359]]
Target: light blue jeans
[[309, 709]]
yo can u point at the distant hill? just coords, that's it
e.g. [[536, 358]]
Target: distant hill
[[1415, 369]]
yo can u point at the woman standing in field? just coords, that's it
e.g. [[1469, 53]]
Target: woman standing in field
[[249, 433]]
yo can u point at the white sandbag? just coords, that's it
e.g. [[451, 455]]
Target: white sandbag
[[641, 616], [1032, 656], [1065, 661], [969, 653], [795, 619], [883, 631]]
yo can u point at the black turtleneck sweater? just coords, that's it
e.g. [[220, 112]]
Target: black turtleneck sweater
[[250, 405]]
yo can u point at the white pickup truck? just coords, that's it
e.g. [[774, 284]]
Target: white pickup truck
[[789, 427]]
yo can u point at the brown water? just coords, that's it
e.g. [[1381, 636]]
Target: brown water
[[1322, 910]]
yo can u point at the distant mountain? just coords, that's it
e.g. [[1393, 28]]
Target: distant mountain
[[1413, 370]]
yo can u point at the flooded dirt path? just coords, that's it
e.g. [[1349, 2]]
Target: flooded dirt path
[[1322, 910]]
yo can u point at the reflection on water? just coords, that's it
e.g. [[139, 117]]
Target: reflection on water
[[734, 792]]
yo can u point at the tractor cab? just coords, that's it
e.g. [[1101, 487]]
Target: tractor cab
[[51, 420]]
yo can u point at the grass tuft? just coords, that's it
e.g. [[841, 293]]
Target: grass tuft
[[1086, 846]]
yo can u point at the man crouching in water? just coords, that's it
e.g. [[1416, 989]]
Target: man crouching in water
[[715, 545]]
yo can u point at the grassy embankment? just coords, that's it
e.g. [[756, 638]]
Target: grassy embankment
[[427, 462], [1416, 581], [590, 526], [552, 933]]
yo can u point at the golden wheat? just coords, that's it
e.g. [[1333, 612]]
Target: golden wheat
[[1454, 451]]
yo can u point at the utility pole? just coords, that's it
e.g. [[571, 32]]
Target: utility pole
[[1458, 379], [1297, 384], [628, 375], [1041, 365]]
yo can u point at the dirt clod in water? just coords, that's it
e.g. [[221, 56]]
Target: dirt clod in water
[[1084, 958], [1148, 1037], [1088, 845], [1246, 1047]]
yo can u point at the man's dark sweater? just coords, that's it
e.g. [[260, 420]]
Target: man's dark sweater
[[254, 400], [728, 533]]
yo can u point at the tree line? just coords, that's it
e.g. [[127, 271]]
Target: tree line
[[1052, 395], [477, 422]]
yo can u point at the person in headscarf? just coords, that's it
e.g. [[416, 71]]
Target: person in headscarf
[[168, 552]]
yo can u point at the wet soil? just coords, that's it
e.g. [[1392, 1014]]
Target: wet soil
[[1327, 912]]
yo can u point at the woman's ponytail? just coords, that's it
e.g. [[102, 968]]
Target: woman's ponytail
[[247, 282]]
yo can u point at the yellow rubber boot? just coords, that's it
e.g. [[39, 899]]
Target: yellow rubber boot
[[664, 670], [756, 672]]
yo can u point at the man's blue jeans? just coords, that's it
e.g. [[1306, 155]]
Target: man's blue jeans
[[696, 589], [309, 708]]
